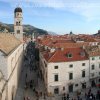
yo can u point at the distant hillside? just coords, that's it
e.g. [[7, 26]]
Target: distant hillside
[[52, 33], [28, 29]]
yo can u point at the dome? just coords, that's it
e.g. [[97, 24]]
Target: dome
[[18, 9]]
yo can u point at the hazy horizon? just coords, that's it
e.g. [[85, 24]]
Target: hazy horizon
[[63, 16]]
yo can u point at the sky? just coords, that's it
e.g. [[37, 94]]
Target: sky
[[60, 16]]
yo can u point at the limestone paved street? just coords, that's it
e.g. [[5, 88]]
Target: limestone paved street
[[30, 83], [32, 74], [30, 70]]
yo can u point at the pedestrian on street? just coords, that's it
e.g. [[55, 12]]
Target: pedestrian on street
[[94, 97], [37, 98], [24, 98], [26, 75], [25, 87], [67, 96], [32, 81], [36, 93], [44, 96], [85, 95], [89, 91], [28, 98], [41, 94], [34, 90]]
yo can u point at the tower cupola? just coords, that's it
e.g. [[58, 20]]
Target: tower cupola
[[18, 9]]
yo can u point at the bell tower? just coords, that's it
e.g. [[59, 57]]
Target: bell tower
[[18, 27]]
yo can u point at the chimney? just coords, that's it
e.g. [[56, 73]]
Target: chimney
[[83, 47], [52, 50], [99, 46], [62, 49]]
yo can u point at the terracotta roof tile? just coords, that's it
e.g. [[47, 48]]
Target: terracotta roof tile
[[69, 45], [61, 55]]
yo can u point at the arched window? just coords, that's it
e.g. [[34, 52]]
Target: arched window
[[17, 14], [17, 23]]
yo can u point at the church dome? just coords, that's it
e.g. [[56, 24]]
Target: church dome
[[18, 9]]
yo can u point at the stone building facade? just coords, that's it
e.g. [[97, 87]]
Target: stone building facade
[[11, 57]]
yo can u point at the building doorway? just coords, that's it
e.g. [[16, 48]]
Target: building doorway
[[56, 90], [70, 88], [93, 84]]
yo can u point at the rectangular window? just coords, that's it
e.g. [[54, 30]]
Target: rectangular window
[[56, 77], [63, 88], [56, 91], [19, 22], [99, 80], [18, 31], [93, 58], [55, 67], [76, 85], [92, 67], [99, 65], [70, 66], [83, 73], [70, 88], [70, 76], [92, 74], [83, 64]]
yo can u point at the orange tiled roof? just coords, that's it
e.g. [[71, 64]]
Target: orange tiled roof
[[61, 55], [69, 45]]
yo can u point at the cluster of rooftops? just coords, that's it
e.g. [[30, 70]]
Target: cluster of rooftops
[[65, 49]]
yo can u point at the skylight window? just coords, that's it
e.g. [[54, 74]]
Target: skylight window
[[82, 54]]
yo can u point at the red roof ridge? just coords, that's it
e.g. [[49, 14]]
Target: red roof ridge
[[60, 53], [52, 55]]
